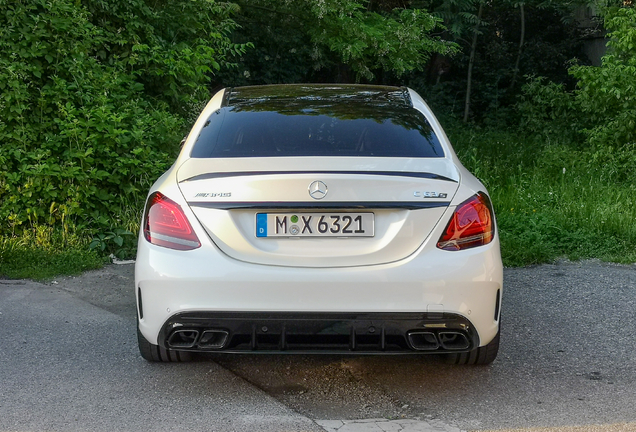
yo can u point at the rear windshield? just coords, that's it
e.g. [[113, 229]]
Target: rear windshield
[[238, 132]]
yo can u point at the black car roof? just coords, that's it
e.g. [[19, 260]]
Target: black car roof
[[308, 96]]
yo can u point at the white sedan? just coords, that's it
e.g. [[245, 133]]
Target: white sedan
[[318, 219]]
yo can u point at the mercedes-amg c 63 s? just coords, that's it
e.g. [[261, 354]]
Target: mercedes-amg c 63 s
[[318, 219]]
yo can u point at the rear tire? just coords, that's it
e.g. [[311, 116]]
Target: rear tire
[[155, 353], [479, 356]]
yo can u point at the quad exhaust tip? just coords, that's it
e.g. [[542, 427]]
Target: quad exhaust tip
[[183, 339], [423, 340], [429, 341], [213, 339], [189, 338], [453, 340]]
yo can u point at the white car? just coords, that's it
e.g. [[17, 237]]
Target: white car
[[318, 219]]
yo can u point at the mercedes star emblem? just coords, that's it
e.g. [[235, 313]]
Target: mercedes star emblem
[[317, 190]]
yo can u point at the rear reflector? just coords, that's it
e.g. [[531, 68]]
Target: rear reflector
[[471, 225], [166, 225]]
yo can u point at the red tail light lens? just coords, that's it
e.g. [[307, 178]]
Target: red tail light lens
[[166, 225], [470, 226]]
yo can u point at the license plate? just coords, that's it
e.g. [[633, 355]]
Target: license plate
[[315, 224]]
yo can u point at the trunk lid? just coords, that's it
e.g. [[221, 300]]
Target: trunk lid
[[400, 201]]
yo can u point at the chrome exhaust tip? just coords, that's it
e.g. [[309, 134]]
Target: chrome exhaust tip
[[183, 339], [213, 339], [453, 341], [422, 340]]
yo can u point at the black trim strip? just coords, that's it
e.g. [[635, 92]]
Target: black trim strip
[[380, 173], [282, 205]]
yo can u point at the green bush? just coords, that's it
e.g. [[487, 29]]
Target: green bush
[[551, 200], [602, 109], [598, 118], [547, 110], [94, 99], [606, 95]]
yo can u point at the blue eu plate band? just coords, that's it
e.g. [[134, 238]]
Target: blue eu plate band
[[261, 225]]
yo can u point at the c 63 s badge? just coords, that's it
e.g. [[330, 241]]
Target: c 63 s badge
[[419, 194]]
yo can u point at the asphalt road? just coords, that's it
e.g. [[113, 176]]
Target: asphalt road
[[69, 362]]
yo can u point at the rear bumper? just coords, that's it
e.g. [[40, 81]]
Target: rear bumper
[[199, 285], [378, 333]]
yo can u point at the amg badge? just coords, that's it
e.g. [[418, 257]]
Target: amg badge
[[213, 195]]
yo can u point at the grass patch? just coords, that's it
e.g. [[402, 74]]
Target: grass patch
[[553, 200], [28, 258]]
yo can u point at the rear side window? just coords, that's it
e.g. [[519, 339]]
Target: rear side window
[[235, 132]]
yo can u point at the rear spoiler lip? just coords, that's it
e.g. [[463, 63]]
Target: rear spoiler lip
[[425, 175], [334, 205]]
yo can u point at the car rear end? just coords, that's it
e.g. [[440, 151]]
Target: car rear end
[[305, 219]]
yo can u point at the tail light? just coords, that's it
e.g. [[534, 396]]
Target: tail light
[[471, 225], [166, 225]]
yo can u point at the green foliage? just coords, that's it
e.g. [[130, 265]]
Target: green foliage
[[311, 40], [119, 242], [172, 46], [551, 200], [282, 53], [549, 44], [459, 15], [369, 41], [600, 114], [548, 111], [606, 95], [92, 103], [44, 253]]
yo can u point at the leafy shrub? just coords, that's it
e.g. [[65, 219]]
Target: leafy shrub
[[92, 103], [550, 41], [607, 94], [333, 40], [600, 114], [602, 109], [551, 200], [173, 46], [119, 242], [547, 110]]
